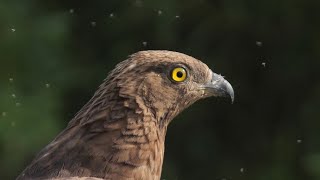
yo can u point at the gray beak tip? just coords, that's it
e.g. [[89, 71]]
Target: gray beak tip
[[226, 90], [220, 87]]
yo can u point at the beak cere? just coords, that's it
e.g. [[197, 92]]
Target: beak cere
[[218, 87]]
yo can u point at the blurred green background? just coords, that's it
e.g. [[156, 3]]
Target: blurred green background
[[54, 54]]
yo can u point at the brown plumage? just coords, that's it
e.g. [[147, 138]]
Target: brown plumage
[[120, 132]]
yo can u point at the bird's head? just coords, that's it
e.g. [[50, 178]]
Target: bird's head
[[167, 82]]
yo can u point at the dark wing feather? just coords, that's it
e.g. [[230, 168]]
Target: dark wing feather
[[86, 143]]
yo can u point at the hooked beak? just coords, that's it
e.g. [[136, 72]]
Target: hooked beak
[[218, 87]]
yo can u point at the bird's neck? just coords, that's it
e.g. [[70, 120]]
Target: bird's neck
[[139, 149], [131, 140], [133, 131], [118, 134]]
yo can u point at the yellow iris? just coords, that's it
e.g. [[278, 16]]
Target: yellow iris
[[178, 74]]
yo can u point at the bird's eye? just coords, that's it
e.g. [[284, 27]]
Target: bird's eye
[[178, 74]]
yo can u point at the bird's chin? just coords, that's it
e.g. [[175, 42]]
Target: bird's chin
[[205, 93]]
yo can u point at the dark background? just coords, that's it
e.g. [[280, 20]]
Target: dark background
[[53, 56]]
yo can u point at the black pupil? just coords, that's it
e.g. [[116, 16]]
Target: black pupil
[[179, 74]]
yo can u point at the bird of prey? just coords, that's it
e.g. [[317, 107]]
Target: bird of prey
[[120, 133]]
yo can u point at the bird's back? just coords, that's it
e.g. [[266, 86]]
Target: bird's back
[[109, 138]]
